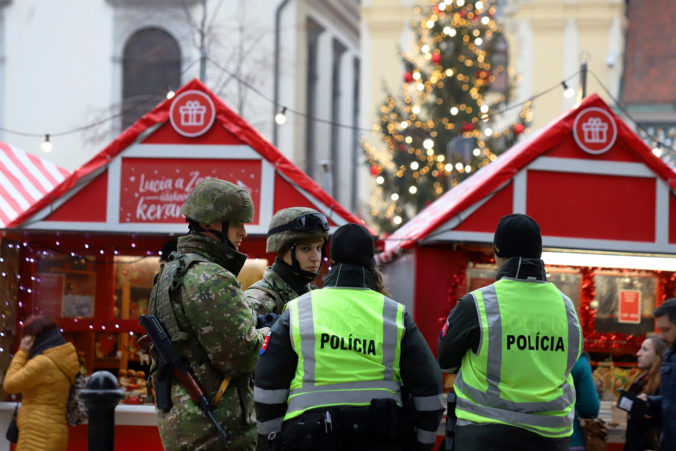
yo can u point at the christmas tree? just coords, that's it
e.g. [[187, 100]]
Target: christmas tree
[[443, 125]]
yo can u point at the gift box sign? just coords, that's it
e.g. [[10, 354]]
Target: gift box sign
[[594, 130], [192, 113]]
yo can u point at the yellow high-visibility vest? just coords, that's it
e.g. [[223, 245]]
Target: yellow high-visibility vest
[[521, 374], [348, 343]]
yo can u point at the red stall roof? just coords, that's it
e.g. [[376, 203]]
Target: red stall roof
[[24, 180], [587, 178], [139, 182]]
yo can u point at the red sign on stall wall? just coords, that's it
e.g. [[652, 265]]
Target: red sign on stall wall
[[154, 190], [630, 307]]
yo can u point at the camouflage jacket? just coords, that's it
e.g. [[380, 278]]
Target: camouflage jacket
[[272, 292], [215, 331]]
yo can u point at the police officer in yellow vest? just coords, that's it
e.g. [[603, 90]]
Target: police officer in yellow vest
[[513, 344], [340, 363]]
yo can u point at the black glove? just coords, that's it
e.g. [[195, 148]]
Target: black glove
[[266, 320]]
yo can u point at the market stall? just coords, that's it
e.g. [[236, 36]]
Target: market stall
[[607, 210], [88, 252]]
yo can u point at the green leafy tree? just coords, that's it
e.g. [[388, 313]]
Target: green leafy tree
[[442, 127]]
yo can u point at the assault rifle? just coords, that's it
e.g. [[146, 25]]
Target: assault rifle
[[181, 370]]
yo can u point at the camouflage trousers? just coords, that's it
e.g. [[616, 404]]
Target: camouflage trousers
[[185, 427]]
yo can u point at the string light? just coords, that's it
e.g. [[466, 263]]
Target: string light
[[657, 150], [46, 145], [280, 118], [170, 94], [568, 92]]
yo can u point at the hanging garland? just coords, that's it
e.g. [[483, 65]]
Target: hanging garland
[[615, 342]]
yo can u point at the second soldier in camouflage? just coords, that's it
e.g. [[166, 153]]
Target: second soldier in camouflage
[[297, 235]]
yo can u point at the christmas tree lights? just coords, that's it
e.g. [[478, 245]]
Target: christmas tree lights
[[439, 129]]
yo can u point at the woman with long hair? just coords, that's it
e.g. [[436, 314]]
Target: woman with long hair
[[643, 430], [42, 371]]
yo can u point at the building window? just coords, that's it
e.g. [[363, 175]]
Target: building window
[[151, 65], [355, 134], [499, 61], [336, 100], [313, 32]]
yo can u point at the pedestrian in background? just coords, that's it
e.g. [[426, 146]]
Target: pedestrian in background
[[298, 236], [664, 404], [337, 361], [198, 300], [513, 344], [642, 429], [587, 402], [42, 371]]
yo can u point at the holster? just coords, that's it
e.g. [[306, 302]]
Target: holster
[[451, 420], [385, 419]]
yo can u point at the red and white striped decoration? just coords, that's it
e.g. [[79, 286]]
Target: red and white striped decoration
[[24, 179]]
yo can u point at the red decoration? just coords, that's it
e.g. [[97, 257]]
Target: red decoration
[[457, 286], [616, 343], [463, 13], [408, 77], [436, 58], [467, 127], [519, 128], [483, 74], [402, 147], [375, 170]]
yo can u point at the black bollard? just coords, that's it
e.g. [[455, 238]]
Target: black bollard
[[100, 397]]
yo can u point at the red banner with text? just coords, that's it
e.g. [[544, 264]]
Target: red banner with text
[[154, 190]]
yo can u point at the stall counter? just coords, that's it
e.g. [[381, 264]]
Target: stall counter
[[135, 428]]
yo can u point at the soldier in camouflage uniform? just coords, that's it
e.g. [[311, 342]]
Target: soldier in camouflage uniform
[[297, 235], [198, 300]]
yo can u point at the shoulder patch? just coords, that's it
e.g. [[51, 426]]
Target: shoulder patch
[[444, 329], [265, 343]]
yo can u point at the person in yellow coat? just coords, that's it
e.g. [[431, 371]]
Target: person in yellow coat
[[41, 371]]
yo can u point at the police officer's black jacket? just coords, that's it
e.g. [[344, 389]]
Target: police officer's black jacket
[[420, 372]]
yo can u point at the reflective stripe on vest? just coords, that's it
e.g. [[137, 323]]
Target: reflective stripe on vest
[[490, 403], [348, 346]]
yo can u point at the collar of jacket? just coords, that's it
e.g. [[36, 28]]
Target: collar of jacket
[[298, 283], [523, 268], [49, 339], [213, 250], [352, 276]]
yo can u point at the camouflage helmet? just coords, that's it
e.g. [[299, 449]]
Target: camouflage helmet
[[290, 225], [215, 200]]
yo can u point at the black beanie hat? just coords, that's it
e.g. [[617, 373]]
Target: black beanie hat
[[517, 235], [353, 243]]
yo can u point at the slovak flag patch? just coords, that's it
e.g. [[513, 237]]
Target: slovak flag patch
[[265, 343], [444, 330]]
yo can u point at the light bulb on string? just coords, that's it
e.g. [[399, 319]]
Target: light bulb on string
[[280, 118], [657, 150], [46, 145], [170, 94], [568, 92]]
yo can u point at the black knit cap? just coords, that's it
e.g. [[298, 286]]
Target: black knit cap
[[353, 243], [517, 235]]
